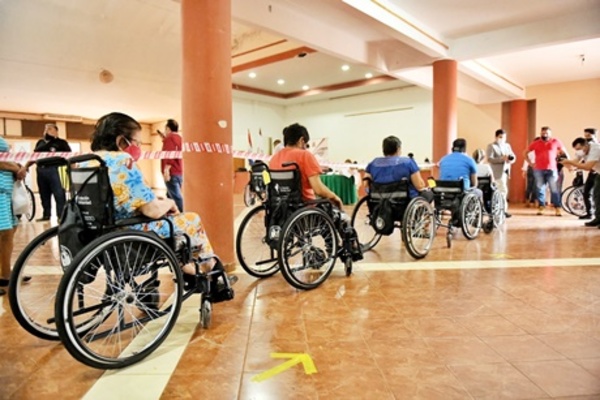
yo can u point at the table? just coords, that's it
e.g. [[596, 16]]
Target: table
[[342, 186]]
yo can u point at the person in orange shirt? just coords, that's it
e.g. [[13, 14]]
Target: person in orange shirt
[[295, 138]]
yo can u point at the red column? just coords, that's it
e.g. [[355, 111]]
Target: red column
[[518, 139], [444, 107], [206, 117]]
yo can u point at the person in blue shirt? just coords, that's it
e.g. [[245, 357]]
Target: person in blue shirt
[[393, 168], [457, 165]]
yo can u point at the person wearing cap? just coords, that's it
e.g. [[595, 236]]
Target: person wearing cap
[[501, 156], [458, 165]]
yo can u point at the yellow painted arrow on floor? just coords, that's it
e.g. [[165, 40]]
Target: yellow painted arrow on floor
[[500, 256], [294, 358]]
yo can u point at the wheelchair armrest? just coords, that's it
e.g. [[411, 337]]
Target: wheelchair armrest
[[142, 219], [86, 157]]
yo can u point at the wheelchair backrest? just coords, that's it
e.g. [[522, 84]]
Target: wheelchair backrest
[[89, 209], [487, 186], [387, 203], [448, 193]]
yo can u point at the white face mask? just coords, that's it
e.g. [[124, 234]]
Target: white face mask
[[501, 140], [579, 154]]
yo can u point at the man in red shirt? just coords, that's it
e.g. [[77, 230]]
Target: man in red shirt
[[295, 138], [545, 171], [172, 169]]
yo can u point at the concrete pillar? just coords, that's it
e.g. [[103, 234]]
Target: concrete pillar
[[206, 117], [444, 107], [518, 139]]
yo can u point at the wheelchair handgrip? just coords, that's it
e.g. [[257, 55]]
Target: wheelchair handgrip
[[86, 157], [51, 162]]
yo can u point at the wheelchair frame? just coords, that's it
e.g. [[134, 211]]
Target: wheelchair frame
[[314, 231], [130, 299], [414, 217]]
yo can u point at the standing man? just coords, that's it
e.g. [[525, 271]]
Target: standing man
[[172, 168], [500, 156], [590, 153], [545, 170], [48, 179], [590, 136]]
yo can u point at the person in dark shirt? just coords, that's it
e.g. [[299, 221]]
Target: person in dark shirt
[[172, 168], [48, 179]]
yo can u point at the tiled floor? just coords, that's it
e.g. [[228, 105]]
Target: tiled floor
[[396, 329]]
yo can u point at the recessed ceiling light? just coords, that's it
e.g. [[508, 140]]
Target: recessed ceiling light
[[305, 87], [345, 67], [368, 75], [280, 81], [252, 75]]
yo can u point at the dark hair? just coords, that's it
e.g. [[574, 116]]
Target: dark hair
[[411, 155], [276, 142], [459, 145], [591, 131], [172, 125], [546, 128], [580, 141], [500, 132], [478, 155], [293, 133], [111, 126], [391, 144], [52, 124]]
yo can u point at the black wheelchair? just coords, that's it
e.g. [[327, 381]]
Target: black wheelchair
[[388, 206], [110, 293], [494, 206], [464, 206], [303, 239]]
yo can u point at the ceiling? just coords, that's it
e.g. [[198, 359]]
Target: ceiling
[[52, 52]]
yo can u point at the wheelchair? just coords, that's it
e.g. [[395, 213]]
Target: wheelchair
[[388, 206], [302, 239], [110, 293], [465, 208], [494, 206]]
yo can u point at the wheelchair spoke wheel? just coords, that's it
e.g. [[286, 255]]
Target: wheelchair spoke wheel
[[361, 222], [32, 298], [575, 203], [120, 299], [249, 196], [498, 209], [564, 199], [255, 254], [471, 214], [31, 207], [418, 227], [308, 248]]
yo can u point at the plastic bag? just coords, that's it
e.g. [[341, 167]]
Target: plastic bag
[[20, 199]]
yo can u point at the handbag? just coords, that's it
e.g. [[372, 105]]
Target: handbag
[[20, 198]]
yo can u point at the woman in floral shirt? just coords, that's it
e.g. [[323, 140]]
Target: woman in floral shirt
[[117, 140]]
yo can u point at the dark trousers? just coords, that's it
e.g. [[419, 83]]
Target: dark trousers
[[49, 185], [587, 191], [597, 196], [174, 190], [530, 193]]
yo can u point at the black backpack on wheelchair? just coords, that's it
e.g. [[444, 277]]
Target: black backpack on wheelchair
[[387, 204]]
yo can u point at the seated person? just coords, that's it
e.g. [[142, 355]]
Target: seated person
[[483, 169], [295, 138], [116, 139], [457, 165], [393, 168]]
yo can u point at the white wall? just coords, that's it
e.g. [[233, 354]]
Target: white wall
[[255, 115], [358, 137], [478, 124]]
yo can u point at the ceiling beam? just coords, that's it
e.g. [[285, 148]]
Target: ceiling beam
[[286, 55]]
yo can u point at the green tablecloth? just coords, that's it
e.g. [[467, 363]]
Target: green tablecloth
[[342, 186]]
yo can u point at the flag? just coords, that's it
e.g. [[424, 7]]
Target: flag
[[249, 138]]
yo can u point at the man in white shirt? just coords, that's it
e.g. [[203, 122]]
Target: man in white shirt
[[500, 157], [590, 152]]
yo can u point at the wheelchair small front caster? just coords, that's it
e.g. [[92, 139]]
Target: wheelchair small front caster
[[205, 314], [488, 226], [449, 239], [348, 266]]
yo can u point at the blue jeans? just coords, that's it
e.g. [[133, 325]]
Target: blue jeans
[[545, 177], [174, 190]]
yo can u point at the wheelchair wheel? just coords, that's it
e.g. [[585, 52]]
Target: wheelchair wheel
[[249, 196], [30, 214], [361, 221], [471, 215], [563, 198], [253, 251], [498, 209], [126, 288], [418, 227], [308, 248], [575, 203], [32, 302]]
